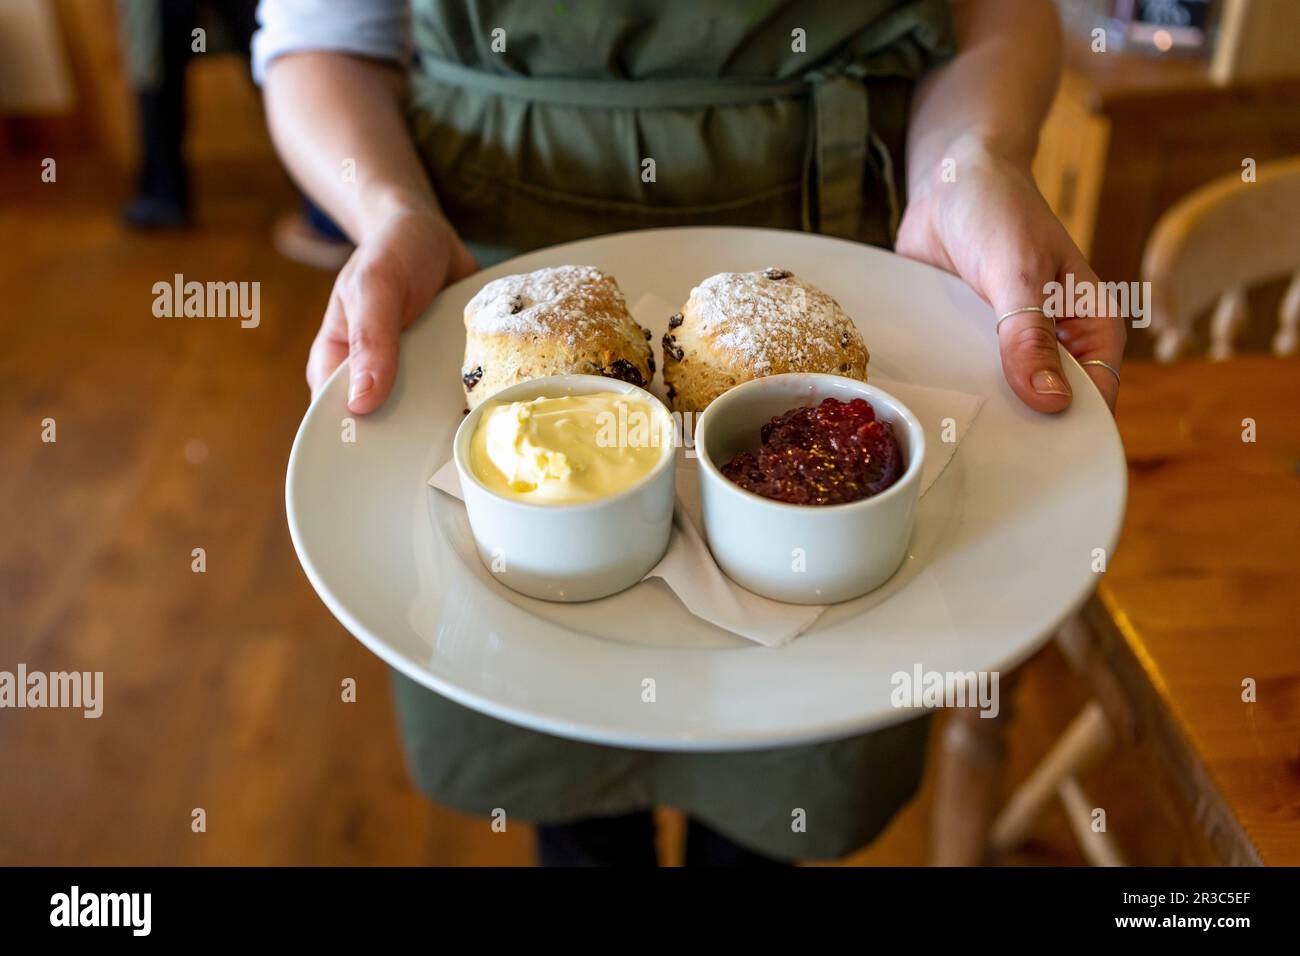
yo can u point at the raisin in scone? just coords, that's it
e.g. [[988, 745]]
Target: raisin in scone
[[742, 325], [560, 321]]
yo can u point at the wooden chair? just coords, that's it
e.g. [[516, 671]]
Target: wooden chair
[[1212, 246], [1207, 249], [967, 828]]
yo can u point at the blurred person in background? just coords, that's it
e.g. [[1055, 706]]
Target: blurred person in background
[[159, 40]]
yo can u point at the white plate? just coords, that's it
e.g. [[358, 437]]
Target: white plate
[[1003, 548]]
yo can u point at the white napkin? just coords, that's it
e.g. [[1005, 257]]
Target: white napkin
[[689, 569]]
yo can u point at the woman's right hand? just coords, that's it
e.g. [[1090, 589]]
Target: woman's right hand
[[400, 265]]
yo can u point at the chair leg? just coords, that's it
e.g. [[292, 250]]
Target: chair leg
[[1287, 340], [1098, 847], [1088, 738], [969, 782]]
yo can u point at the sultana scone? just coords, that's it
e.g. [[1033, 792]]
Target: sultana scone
[[737, 326], [559, 321]]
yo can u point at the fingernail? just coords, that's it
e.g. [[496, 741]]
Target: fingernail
[[1049, 383], [361, 384]]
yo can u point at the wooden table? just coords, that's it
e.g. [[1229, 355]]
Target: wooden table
[[1203, 595]]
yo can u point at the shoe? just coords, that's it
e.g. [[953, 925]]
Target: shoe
[[155, 212]]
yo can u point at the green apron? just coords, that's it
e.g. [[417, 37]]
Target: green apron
[[755, 113]]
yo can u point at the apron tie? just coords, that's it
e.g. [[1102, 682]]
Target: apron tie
[[884, 169], [842, 146], [839, 141]]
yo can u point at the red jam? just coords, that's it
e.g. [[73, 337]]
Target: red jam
[[832, 454]]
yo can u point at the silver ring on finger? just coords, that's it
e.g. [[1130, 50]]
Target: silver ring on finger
[[1107, 366], [1006, 315]]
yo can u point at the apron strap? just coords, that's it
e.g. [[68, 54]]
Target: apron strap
[[841, 124], [615, 94], [842, 146], [883, 164]]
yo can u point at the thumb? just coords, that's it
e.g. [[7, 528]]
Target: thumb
[[374, 327], [1031, 358]]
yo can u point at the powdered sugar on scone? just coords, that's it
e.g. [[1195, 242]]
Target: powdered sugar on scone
[[573, 303], [738, 326], [771, 320], [556, 321]]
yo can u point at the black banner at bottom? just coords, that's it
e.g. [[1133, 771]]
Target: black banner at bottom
[[332, 906]]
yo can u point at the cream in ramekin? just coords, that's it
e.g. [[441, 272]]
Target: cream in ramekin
[[538, 528]]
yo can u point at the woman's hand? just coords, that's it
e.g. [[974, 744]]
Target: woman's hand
[[325, 108], [992, 227], [397, 269]]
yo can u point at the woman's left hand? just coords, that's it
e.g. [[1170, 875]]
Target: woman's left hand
[[992, 227]]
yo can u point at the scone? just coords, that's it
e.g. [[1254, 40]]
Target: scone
[[560, 321], [742, 325]]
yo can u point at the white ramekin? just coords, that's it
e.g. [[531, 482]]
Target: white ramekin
[[573, 552], [803, 554]]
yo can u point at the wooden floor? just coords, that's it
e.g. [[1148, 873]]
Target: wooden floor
[[222, 688]]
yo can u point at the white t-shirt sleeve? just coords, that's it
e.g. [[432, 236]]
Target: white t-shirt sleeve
[[375, 28]]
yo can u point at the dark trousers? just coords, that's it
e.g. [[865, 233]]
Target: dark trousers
[[161, 108], [629, 840]]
